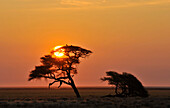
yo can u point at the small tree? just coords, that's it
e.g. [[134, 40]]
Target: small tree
[[125, 84], [60, 65]]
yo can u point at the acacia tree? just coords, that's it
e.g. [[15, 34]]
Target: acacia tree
[[60, 65], [125, 84]]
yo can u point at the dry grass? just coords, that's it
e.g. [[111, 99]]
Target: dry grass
[[91, 98]]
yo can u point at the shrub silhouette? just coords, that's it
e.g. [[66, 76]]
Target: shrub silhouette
[[125, 84], [60, 69]]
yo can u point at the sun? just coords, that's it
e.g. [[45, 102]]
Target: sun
[[58, 53], [56, 47]]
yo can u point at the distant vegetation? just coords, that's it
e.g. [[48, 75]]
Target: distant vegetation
[[60, 65], [125, 84]]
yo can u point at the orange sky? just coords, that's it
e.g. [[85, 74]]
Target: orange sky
[[131, 36]]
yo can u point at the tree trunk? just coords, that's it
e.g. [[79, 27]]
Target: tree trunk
[[72, 83], [116, 89], [75, 88]]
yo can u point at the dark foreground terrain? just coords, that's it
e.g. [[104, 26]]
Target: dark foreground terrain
[[91, 98]]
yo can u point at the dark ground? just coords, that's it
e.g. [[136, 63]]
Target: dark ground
[[91, 98]]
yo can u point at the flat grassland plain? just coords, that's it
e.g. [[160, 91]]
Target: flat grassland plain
[[91, 98]]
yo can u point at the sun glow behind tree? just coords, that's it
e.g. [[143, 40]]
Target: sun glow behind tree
[[60, 65], [60, 53]]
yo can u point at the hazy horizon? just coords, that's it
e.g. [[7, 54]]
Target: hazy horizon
[[56, 87]]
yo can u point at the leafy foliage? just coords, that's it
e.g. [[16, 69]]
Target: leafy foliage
[[127, 84]]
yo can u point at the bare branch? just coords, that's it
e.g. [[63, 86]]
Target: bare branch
[[60, 84], [61, 81]]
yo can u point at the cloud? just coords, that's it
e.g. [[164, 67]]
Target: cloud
[[134, 4], [47, 5], [75, 2], [85, 4]]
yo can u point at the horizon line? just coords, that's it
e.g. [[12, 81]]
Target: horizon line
[[56, 87]]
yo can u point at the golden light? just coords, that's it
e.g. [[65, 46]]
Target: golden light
[[57, 47], [58, 53]]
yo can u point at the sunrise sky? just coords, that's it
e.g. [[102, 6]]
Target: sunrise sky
[[124, 35]]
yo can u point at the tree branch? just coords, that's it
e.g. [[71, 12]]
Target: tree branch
[[58, 80], [61, 81], [51, 77]]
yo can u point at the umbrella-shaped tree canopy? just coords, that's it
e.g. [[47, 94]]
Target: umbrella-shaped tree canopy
[[60, 65]]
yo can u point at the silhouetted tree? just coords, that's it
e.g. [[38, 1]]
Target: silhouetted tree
[[125, 84], [60, 68]]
